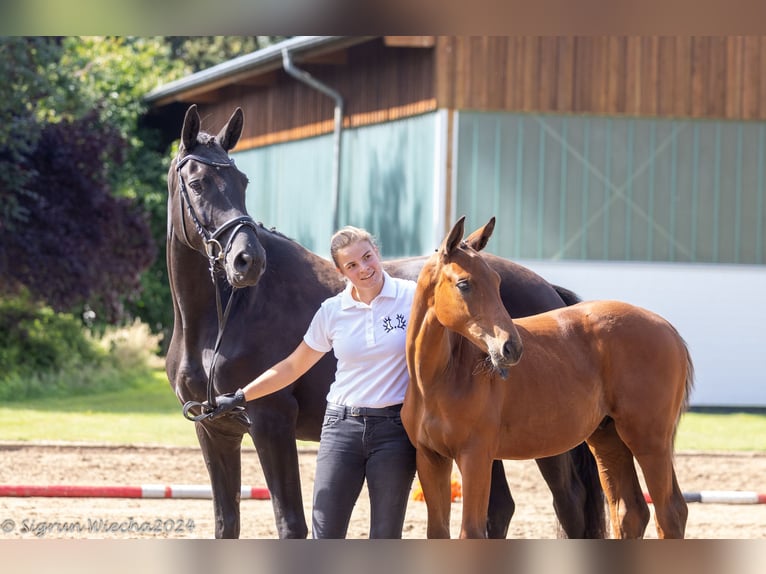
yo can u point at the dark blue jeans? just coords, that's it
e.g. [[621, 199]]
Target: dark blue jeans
[[354, 447]]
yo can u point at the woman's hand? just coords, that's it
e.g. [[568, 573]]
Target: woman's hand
[[226, 403]]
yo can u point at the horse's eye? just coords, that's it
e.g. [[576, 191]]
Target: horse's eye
[[464, 285], [196, 185]]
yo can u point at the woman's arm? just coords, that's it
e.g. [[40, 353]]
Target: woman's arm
[[271, 380], [285, 372]]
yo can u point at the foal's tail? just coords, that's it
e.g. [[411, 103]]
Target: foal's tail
[[688, 383]]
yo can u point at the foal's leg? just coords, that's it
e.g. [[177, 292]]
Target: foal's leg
[[434, 472], [477, 476], [628, 510], [670, 510]]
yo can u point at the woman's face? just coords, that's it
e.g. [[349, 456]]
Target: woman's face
[[359, 262]]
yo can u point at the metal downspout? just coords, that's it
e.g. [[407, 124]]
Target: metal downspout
[[307, 78]]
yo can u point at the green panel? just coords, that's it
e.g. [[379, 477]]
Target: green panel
[[603, 188], [387, 183], [291, 189]]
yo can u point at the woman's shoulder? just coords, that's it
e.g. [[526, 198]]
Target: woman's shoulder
[[405, 285], [333, 300]]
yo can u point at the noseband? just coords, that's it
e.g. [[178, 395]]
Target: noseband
[[216, 255]]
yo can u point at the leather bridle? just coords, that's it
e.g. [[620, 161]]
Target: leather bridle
[[216, 254]]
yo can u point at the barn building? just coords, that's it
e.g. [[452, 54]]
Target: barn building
[[620, 167]]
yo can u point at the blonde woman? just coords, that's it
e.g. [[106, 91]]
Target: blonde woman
[[362, 434]]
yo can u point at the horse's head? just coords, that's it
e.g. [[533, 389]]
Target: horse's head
[[466, 296], [206, 206]]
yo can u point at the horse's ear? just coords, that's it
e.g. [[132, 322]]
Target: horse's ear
[[229, 134], [453, 239], [191, 128], [479, 238]]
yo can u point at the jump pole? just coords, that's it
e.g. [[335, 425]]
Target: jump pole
[[721, 497], [142, 491]]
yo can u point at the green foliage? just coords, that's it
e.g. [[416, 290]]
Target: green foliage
[[24, 63], [48, 354], [200, 52], [36, 339], [89, 91]]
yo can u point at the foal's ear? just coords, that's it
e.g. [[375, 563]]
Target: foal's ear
[[453, 239], [191, 128], [479, 238], [229, 134]]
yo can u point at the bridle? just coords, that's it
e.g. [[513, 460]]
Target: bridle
[[216, 254]]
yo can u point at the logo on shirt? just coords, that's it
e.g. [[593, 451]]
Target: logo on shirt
[[389, 324]]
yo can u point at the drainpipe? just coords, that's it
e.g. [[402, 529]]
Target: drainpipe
[[307, 78]]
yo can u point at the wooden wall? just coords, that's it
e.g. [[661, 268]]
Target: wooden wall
[[378, 83], [695, 77], [393, 77]]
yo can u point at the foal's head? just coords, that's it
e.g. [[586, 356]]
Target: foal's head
[[466, 296], [207, 209]]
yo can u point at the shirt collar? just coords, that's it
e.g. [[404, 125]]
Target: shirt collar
[[388, 291]]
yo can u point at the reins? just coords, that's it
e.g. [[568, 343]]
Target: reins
[[216, 254]]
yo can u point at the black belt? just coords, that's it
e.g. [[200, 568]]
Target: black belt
[[344, 411]]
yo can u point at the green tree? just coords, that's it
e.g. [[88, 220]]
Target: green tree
[[77, 209], [80, 99], [24, 67]]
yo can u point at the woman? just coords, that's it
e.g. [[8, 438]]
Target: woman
[[362, 434]]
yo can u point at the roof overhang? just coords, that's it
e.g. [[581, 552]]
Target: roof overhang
[[253, 68]]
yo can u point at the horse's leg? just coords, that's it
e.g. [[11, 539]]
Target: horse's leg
[[501, 504], [434, 473], [670, 510], [578, 498], [628, 510], [477, 476], [568, 493], [221, 449], [273, 434]]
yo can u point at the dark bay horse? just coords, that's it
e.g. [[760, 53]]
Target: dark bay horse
[[243, 297], [485, 387]]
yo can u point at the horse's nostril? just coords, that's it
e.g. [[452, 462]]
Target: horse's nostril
[[512, 350], [243, 262]]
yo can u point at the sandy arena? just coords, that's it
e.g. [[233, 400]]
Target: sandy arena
[[178, 518]]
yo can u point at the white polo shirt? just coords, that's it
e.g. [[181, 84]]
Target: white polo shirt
[[369, 343]]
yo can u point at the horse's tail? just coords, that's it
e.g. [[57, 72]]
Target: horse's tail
[[688, 383], [568, 296], [594, 511]]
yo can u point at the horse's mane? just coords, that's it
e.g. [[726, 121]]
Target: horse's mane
[[276, 232]]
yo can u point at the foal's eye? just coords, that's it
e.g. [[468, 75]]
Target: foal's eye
[[464, 285]]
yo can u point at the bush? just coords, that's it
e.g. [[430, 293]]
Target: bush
[[44, 353]]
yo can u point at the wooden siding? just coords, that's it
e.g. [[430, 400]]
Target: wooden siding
[[389, 78], [720, 77], [378, 84]]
